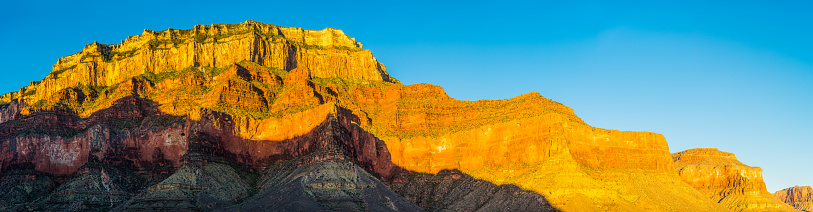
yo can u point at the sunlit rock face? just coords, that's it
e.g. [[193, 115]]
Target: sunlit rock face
[[326, 53], [529, 141], [127, 133], [800, 197], [206, 116], [720, 176]]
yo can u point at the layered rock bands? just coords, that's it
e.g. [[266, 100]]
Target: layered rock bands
[[253, 116], [800, 197], [724, 179]]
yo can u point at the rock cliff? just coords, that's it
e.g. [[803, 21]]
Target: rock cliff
[[800, 197], [239, 116], [326, 53], [720, 176], [528, 141]]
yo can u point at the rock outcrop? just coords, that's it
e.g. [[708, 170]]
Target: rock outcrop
[[327, 179], [204, 182], [800, 197], [252, 115], [129, 133], [325, 53], [94, 187], [452, 190], [529, 141], [720, 176], [22, 187]]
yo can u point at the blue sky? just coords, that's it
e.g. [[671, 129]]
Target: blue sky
[[734, 75]]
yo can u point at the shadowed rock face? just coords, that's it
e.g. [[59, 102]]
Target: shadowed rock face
[[198, 112], [800, 197], [720, 176], [128, 133], [21, 187], [454, 190], [204, 182], [326, 53], [94, 187], [326, 179]]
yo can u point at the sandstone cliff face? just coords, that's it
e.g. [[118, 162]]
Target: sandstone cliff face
[[800, 197], [255, 96], [529, 141], [528, 129], [326, 53], [720, 176]]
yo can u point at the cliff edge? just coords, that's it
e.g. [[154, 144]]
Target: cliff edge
[[724, 179], [800, 197]]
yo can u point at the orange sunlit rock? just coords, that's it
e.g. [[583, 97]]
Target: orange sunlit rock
[[800, 197], [720, 176], [529, 141], [259, 94], [326, 53]]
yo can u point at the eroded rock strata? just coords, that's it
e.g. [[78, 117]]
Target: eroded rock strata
[[453, 190], [22, 187], [256, 116], [800, 197], [724, 179], [327, 179], [94, 187]]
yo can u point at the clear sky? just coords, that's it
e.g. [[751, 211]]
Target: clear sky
[[734, 75]]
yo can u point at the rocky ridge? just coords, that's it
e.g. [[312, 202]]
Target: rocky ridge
[[800, 197], [232, 116], [325, 53], [720, 176]]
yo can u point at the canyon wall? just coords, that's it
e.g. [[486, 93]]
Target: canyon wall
[[326, 53], [723, 178], [528, 141], [255, 95], [800, 197]]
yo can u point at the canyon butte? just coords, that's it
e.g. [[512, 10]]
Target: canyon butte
[[800, 197], [258, 117]]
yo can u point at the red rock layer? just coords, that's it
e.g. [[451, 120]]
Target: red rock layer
[[61, 143], [720, 176], [800, 197]]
